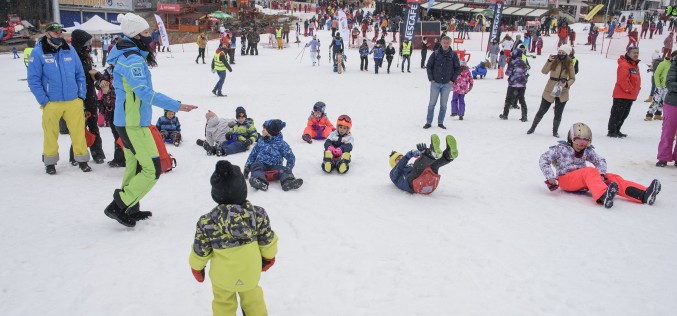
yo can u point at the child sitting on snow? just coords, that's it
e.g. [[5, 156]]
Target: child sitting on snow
[[265, 159], [480, 70], [169, 127], [236, 237], [573, 175], [242, 135], [422, 177], [319, 125], [338, 145], [215, 133]]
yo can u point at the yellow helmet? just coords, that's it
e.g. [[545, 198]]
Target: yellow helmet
[[393, 158]]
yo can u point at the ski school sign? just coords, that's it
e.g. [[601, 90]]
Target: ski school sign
[[412, 19]]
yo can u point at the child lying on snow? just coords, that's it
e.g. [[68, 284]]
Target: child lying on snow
[[422, 177]]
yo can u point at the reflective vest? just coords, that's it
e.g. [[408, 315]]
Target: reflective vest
[[27, 54], [524, 57], [218, 64], [278, 33], [406, 48]]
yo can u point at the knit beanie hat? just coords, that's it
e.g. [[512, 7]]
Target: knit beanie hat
[[274, 127], [393, 157], [228, 184], [565, 48], [132, 24], [79, 39], [240, 110]]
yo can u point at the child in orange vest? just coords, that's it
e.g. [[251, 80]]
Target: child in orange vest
[[319, 125]]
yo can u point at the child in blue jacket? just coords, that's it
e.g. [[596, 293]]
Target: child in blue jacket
[[169, 127], [422, 177], [265, 159], [378, 52]]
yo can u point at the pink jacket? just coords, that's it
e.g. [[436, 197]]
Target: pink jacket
[[464, 82]]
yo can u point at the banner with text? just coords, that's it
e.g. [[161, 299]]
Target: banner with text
[[411, 20], [163, 31]]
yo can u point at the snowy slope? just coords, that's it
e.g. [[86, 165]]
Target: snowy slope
[[492, 240]]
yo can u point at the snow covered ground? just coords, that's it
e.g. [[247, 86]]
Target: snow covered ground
[[492, 240]]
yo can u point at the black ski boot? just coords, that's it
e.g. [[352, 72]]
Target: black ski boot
[[537, 120], [115, 212], [291, 183], [136, 214], [200, 142], [258, 184], [607, 199], [116, 164], [651, 191], [211, 151], [50, 169], [84, 167]]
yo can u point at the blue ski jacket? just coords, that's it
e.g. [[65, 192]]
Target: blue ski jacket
[[55, 74], [271, 150], [166, 124], [134, 87], [400, 173]]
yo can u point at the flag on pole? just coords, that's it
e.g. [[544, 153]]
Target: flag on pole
[[412, 20], [343, 25], [430, 4], [163, 31]]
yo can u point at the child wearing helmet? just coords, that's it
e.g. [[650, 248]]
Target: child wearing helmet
[[169, 127], [422, 177], [338, 146], [319, 126], [572, 174]]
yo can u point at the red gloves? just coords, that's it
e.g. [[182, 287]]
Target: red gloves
[[267, 263], [199, 275]]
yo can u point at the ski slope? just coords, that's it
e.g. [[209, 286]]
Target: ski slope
[[492, 240]]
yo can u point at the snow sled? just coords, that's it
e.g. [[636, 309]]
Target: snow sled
[[271, 175], [427, 182]]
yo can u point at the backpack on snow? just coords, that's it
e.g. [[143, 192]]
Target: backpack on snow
[[167, 162]]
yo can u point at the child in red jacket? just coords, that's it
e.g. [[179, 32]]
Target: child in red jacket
[[319, 125]]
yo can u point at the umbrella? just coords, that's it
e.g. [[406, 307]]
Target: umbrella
[[220, 15]]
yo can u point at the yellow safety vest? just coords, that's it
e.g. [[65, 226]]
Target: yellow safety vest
[[524, 58], [406, 48], [218, 64], [27, 54], [278, 33]]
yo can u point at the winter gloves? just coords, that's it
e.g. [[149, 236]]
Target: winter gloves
[[336, 152], [552, 185], [229, 136], [199, 275], [267, 263], [413, 153]]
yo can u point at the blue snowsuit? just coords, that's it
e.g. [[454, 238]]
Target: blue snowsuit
[[268, 154]]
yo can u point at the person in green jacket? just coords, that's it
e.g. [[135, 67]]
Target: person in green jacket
[[655, 111], [236, 237]]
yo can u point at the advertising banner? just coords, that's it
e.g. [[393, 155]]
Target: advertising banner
[[100, 4], [163, 31], [411, 20]]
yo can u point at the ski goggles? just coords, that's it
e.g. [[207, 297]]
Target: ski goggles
[[54, 27], [581, 141], [345, 120]]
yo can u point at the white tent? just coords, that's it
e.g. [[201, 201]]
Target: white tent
[[95, 26]]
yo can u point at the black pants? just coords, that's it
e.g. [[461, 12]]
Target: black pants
[[513, 95], [424, 53], [252, 49], [200, 53], [619, 112], [390, 61], [407, 58], [92, 123], [103, 58], [231, 54], [545, 106], [424, 162], [364, 62]]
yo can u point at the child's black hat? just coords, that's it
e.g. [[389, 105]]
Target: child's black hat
[[228, 184], [240, 110], [274, 127]]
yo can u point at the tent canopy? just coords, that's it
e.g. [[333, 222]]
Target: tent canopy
[[96, 26]]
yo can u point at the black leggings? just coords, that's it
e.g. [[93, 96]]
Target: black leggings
[[545, 106], [424, 162], [200, 53]]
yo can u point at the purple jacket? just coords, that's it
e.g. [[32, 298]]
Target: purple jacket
[[563, 157]]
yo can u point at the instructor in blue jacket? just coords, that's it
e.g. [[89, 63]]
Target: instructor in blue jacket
[[133, 110], [57, 80]]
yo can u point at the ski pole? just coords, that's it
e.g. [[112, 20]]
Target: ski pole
[[299, 54], [302, 53]]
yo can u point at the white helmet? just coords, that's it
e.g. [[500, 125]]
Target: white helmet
[[579, 130]]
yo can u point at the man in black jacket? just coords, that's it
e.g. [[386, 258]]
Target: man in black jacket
[[443, 67]]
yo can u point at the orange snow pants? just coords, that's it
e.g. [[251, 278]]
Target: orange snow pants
[[589, 178], [313, 133]]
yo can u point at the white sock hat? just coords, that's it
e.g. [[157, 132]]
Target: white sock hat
[[132, 24]]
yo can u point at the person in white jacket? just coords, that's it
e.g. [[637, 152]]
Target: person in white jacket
[[215, 133]]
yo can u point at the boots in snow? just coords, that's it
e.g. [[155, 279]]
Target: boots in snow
[[306, 138], [258, 184], [607, 199], [84, 167], [537, 120], [651, 191], [555, 127], [51, 169], [134, 212], [115, 212], [435, 146], [343, 164], [291, 183], [327, 163]]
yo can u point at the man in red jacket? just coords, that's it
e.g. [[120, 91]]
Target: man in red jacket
[[628, 83]]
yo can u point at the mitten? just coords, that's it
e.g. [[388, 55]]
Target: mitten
[[338, 152], [199, 275], [551, 187], [413, 153], [229, 136], [267, 263], [331, 148], [422, 147], [246, 172]]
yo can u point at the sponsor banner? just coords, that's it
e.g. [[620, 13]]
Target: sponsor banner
[[411, 20], [169, 7], [163, 31], [496, 22]]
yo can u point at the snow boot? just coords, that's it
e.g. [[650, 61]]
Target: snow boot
[[651, 191], [607, 199], [291, 183], [503, 116], [451, 152], [343, 164], [555, 127], [200, 142], [115, 212], [176, 139], [84, 167], [116, 164], [435, 146], [209, 149], [50, 169], [660, 163], [134, 212], [658, 117], [258, 184], [307, 138], [649, 99], [537, 120], [218, 150], [327, 163], [648, 117]]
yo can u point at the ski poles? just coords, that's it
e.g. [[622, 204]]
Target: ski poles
[[299, 54], [302, 53]]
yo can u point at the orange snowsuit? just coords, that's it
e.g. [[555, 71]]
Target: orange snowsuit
[[318, 128]]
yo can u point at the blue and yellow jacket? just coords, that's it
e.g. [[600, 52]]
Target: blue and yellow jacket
[[133, 86], [245, 131], [399, 174], [235, 238], [271, 150], [55, 74]]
